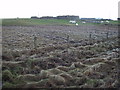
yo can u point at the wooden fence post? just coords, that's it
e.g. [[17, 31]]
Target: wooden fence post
[[11, 51], [90, 36], [68, 43], [35, 42], [90, 39], [107, 34]]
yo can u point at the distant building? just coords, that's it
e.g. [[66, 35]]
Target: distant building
[[62, 17], [106, 19], [95, 20], [48, 17], [69, 17], [88, 19], [34, 17]]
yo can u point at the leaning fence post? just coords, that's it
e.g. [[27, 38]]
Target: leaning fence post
[[35, 42]]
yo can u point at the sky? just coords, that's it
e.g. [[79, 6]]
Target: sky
[[107, 9]]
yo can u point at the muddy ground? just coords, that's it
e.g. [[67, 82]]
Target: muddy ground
[[45, 56]]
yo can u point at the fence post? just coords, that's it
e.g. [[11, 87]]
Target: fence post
[[90, 39], [11, 51], [35, 42], [90, 36], [67, 38], [67, 43], [107, 34]]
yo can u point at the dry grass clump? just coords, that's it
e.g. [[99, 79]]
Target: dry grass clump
[[44, 83], [7, 76], [55, 71], [67, 77], [63, 68], [57, 79], [28, 77], [92, 61], [111, 62], [91, 69], [85, 54], [11, 66], [7, 55], [80, 65], [94, 83], [45, 74], [88, 72], [80, 80]]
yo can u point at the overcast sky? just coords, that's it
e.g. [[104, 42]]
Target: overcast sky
[[83, 8]]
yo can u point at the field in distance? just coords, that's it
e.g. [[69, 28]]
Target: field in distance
[[28, 21]]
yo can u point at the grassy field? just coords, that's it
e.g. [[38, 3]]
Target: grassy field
[[34, 22], [27, 21]]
